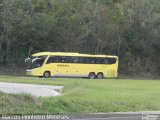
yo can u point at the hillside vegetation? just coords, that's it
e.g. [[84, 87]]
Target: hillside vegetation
[[127, 28]]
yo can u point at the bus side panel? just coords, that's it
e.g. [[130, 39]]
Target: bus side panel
[[49, 67], [84, 69], [112, 70], [69, 69]]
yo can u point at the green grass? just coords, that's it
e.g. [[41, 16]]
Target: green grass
[[84, 96]]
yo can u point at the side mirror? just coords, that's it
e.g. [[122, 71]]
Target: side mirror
[[27, 59]]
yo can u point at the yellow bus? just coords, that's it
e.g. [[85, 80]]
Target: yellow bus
[[47, 64]]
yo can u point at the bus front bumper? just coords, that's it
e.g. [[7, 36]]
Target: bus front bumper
[[32, 72]]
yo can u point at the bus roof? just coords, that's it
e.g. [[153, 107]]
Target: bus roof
[[70, 54]]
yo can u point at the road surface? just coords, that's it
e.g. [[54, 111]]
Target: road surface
[[35, 90]]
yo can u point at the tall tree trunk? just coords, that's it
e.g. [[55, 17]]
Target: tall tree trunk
[[98, 28], [8, 51], [119, 41]]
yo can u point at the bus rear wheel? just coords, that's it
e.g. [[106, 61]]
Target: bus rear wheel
[[92, 75], [100, 76], [47, 74]]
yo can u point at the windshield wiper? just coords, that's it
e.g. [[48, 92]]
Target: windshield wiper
[[35, 59]]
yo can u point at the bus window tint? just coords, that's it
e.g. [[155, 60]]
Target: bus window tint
[[61, 59], [111, 60], [83, 60], [107, 60], [52, 59], [86, 60], [103, 61], [74, 59], [91, 60], [97, 60]]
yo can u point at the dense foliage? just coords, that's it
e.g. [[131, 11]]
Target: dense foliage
[[127, 28]]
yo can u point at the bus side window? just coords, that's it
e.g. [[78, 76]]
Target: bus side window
[[111, 60], [103, 61], [61, 59], [81, 60], [68, 59], [85, 60], [55, 59], [91, 60], [64, 59], [106, 61], [51, 59], [97, 60], [75, 59]]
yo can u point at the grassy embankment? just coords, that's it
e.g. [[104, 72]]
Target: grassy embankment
[[84, 96]]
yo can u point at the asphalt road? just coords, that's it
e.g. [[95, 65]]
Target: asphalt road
[[35, 90]]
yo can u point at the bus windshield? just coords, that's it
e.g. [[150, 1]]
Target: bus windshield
[[35, 62]]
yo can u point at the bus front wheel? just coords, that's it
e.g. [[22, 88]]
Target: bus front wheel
[[91, 75], [47, 74]]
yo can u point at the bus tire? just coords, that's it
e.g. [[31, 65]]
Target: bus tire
[[47, 74], [100, 76], [92, 75]]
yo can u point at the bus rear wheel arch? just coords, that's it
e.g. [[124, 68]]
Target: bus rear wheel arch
[[92, 75], [47, 74], [100, 75]]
